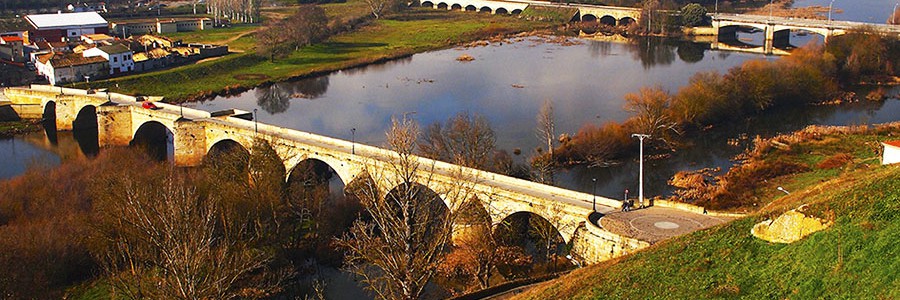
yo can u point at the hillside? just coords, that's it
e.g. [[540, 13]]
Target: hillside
[[854, 258]]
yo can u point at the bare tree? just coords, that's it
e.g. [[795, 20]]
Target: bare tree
[[548, 229], [165, 241], [380, 7], [466, 140], [652, 114], [546, 129], [279, 37], [478, 252], [398, 249]]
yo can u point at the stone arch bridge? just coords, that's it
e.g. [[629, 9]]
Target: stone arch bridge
[[778, 29], [609, 15], [193, 133]]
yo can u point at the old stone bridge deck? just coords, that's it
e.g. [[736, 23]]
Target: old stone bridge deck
[[609, 15], [191, 134]]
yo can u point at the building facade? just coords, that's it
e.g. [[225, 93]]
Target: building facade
[[68, 26], [120, 58], [61, 68], [138, 27]]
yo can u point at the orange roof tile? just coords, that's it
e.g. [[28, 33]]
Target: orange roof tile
[[12, 38], [893, 143]]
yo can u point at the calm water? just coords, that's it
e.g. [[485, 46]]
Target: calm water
[[46, 148], [873, 11], [19, 154]]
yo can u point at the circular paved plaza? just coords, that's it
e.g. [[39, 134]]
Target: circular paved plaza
[[657, 223]]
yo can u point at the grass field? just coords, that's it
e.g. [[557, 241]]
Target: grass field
[[856, 258], [236, 37], [414, 31]]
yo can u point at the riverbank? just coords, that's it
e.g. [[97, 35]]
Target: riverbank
[[857, 196], [404, 34], [9, 129]]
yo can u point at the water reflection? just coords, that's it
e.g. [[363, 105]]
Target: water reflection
[[276, 98], [873, 11]]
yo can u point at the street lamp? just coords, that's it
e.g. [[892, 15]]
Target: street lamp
[[594, 192], [641, 137], [717, 8], [771, 7], [255, 122], [829, 11], [783, 190], [353, 140], [894, 14]]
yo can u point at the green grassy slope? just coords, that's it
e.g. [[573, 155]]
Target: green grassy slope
[[858, 257]]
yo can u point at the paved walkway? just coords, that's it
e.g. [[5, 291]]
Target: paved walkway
[[657, 223]]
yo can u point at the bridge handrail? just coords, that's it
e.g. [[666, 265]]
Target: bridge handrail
[[364, 150]]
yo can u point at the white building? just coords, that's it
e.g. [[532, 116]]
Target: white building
[[61, 68], [120, 57], [891, 153]]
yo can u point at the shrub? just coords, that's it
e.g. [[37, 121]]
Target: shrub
[[835, 161]]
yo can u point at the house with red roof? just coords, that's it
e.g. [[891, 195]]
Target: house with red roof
[[12, 48], [59, 67], [891, 153]]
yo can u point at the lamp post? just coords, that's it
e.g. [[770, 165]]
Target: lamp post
[[894, 14], [783, 190], [641, 137], [255, 122], [594, 192], [771, 7], [829, 11], [353, 140], [717, 8]]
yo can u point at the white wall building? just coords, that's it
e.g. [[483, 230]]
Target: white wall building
[[120, 57], [891, 153]]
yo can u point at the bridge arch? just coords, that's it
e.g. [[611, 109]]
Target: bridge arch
[[427, 4], [442, 5], [310, 175], [456, 6], [536, 234], [156, 139], [588, 18], [49, 111], [515, 11], [471, 7], [85, 130], [626, 21], [485, 9], [431, 205], [608, 20], [501, 10]]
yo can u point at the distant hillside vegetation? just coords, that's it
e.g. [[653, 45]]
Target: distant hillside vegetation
[[856, 258]]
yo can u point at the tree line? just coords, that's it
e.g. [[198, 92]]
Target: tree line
[[812, 74]]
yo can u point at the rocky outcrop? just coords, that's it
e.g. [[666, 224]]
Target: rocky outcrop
[[790, 227]]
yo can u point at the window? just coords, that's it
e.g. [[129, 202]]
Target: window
[[115, 59]]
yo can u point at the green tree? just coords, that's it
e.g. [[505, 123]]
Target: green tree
[[693, 14]]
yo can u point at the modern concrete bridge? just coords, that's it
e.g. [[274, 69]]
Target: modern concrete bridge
[[609, 15], [191, 134], [778, 29]]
